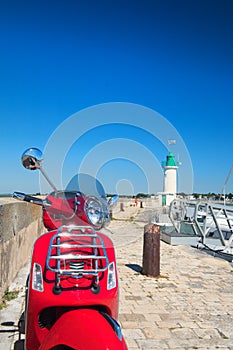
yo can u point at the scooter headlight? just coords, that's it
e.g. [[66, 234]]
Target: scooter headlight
[[96, 212], [37, 278]]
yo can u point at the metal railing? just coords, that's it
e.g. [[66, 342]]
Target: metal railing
[[207, 220]]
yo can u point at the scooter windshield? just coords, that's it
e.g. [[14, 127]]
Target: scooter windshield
[[87, 185]]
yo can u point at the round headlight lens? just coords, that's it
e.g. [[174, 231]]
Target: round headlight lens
[[95, 212]]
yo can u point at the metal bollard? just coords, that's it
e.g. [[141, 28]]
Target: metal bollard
[[151, 251]]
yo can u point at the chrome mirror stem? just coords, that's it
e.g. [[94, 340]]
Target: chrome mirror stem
[[46, 177]]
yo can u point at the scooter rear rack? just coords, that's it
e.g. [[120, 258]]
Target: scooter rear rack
[[76, 251]]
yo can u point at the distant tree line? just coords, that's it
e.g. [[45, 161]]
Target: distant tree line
[[212, 195], [142, 195], [209, 195]]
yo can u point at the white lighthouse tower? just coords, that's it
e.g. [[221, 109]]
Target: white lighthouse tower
[[170, 167], [170, 174]]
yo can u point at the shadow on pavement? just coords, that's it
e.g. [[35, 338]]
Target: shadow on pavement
[[134, 267], [19, 344], [19, 328]]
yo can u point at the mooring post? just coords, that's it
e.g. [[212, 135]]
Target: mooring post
[[151, 251]]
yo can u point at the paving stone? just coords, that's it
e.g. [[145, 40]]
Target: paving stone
[[132, 333], [186, 300], [157, 333], [152, 344]]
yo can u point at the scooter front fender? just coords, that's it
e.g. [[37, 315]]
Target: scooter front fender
[[84, 329]]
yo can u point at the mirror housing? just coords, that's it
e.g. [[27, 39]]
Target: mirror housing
[[31, 158], [113, 200]]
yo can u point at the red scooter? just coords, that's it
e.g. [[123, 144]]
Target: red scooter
[[72, 293]]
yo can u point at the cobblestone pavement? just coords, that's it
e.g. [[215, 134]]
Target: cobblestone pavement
[[188, 307]]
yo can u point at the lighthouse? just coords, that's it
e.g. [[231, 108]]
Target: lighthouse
[[170, 167], [170, 174]]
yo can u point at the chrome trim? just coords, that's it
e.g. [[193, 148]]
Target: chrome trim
[[30, 199], [19, 195], [67, 246], [114, 324], [104, 217]]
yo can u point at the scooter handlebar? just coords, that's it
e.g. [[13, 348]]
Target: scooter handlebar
[[24, 197]]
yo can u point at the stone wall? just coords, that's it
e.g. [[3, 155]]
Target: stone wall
[[20, 224]]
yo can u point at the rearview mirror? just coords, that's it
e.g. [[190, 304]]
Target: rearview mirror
[[31, 158], [113, 200]]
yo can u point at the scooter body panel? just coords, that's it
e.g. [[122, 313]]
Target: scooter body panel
[[83, 329]]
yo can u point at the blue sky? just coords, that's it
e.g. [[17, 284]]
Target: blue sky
[[174, 57]]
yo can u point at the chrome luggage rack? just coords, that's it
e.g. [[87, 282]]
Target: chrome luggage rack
[[76, 251]]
